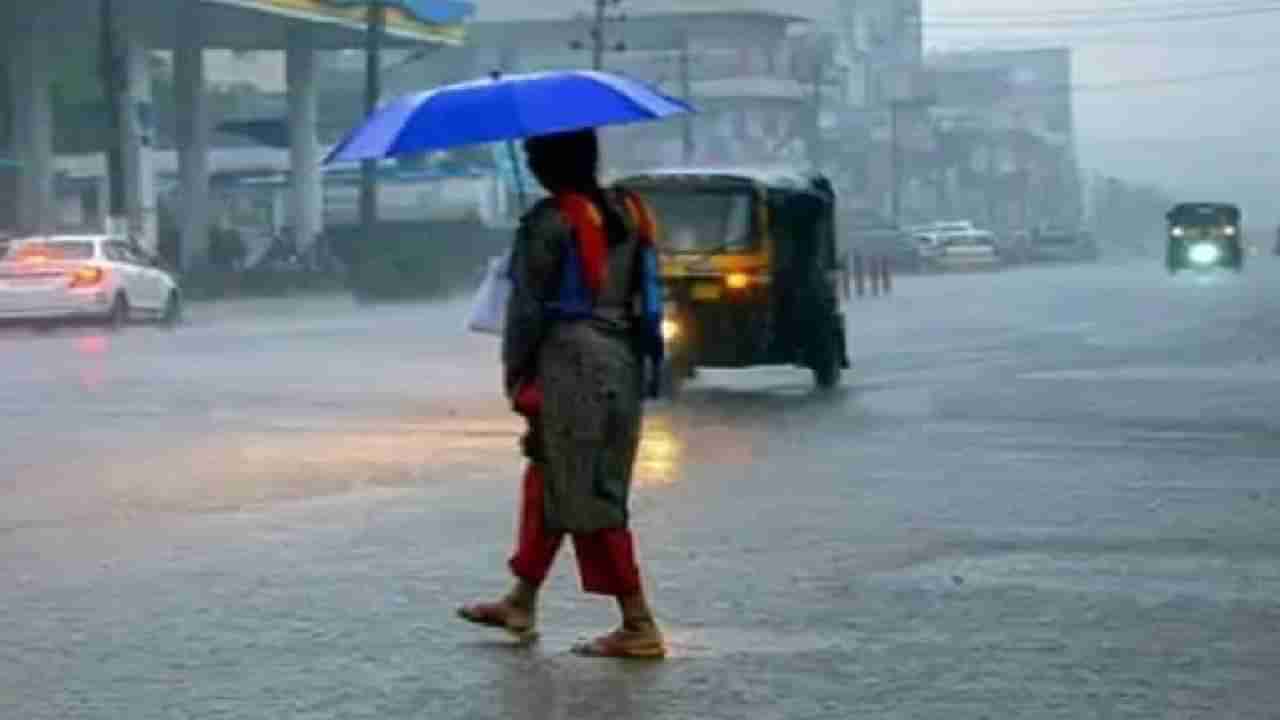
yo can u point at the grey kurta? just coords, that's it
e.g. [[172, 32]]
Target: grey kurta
[[589, 370]]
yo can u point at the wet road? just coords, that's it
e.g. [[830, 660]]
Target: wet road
[[1053, 493]]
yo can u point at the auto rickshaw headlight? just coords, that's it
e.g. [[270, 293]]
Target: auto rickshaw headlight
[[1204, 254]]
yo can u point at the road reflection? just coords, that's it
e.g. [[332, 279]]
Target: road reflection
[[661, 452]]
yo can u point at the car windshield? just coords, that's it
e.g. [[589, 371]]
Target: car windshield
[[703, 222], [50, 250]]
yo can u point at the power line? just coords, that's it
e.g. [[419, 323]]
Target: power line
[[1168, 81], [1111, 10], [1101, 21]]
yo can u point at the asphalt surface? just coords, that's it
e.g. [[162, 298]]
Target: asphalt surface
[[1050, 493]]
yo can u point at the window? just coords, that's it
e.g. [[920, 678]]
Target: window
[[694, 222]]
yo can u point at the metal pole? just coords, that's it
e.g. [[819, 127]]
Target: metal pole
[[113, 89], [517, 176], [686, 91], [597, 36], [376, 22]]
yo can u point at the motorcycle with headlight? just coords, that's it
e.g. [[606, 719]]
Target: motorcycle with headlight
[[1203, 236]]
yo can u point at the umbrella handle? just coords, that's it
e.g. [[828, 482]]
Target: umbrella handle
[[518, 176], [515, 162]]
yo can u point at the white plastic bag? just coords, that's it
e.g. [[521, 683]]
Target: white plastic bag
[[489, 308]]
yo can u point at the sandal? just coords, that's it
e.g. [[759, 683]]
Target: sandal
[[502, 615], [645, 643]]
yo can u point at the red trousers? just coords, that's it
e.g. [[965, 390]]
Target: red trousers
[[606, 559]]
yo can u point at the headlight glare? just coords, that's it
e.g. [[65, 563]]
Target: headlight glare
[[1204, 254]]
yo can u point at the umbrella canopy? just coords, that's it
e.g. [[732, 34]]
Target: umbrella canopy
[[503, 108]]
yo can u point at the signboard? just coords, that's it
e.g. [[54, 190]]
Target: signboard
[[400, 23]]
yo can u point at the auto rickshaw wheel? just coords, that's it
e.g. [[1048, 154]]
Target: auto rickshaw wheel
[[827, 360], [674, 374]]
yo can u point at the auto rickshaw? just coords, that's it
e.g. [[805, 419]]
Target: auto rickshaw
[[1204, 235], [750, 271]]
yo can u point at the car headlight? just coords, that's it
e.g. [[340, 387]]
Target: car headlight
[[1178, 231], [1230, 231], [1204, 254]]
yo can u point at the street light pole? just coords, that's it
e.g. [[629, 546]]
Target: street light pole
[[376, 23]]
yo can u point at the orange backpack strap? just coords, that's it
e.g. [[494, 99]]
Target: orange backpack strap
[[588, 228]]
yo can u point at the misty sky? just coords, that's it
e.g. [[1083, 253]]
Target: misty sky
[[1214, 137]]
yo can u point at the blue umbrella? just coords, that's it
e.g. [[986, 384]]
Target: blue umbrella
[[503, 108]]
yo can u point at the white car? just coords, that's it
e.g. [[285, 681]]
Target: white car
[[85, 277], [957, 245]]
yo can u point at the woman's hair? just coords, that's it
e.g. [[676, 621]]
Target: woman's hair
[[570, 161], [565, 161]]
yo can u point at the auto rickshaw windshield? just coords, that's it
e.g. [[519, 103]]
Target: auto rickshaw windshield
[[1204, 216], [703, 222]]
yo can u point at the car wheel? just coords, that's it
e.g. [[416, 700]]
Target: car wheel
[[172, 311], [118, 316]]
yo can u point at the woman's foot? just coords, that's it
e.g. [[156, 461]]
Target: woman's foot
[[635, 640], [510, 614]]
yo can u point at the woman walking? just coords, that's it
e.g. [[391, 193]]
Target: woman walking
[[582, 323]]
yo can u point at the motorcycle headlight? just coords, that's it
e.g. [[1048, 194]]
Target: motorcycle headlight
[[670, 329]]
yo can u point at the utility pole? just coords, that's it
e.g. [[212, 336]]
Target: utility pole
[[376, 20], [597, 36], [113, 89], [597, 31], [686, 93]]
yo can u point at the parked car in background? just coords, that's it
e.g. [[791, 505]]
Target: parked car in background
[[957, 245], [101, 278]]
